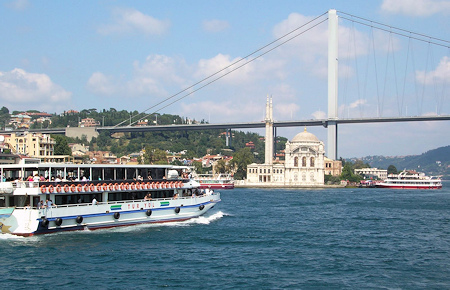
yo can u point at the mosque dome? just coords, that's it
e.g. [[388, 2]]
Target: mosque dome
[[305, 137]]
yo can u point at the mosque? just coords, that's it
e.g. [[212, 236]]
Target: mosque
[[305, 163]]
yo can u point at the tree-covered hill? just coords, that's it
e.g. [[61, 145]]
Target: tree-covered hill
[[433, 162]]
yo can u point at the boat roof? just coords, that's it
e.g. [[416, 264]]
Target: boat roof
[[71, 165]]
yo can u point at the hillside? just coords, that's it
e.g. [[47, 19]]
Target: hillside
[[433, 162]]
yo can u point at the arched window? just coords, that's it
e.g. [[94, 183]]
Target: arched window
[[311, 162], [304, 161], [295, 161]]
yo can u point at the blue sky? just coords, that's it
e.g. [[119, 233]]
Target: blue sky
[[62, 55]]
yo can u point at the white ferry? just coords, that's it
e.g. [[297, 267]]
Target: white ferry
[[219, 181], [411, 180], [47, 198]]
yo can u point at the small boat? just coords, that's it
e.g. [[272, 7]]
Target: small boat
[[411, 180], [70, 197], [219, 181]]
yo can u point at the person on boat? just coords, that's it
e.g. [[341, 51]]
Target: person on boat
[[36, 178], [94, 201], [30, 178], [50, 204], [148, 197], [41, 204]]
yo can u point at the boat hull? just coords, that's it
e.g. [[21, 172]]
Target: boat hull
[[29, 222], [405, 186], [217, 185]]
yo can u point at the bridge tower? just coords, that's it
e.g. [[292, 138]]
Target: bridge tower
[[269, 132], [332, 84]]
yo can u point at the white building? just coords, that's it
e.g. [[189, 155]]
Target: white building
[[380, 173], [304, 160]]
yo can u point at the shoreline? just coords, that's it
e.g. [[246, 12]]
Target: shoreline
[[287, 186]]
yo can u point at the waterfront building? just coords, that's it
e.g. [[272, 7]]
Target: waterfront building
[[89, 122], [380, 173], [20, 121], [304, 160], [32, 145], [333, 167]]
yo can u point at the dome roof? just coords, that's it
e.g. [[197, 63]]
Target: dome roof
[[305, 137]]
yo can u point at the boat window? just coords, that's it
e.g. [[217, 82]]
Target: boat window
[[109, 174], [119, 196], [120, 173], [97, 174], [76, 198], [19, 200]]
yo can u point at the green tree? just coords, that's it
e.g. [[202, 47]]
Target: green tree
[[221, 166], [61, 146], [154, 156], [241, 159], [348, 173], [392, 169], [198, 168], [4, 117]]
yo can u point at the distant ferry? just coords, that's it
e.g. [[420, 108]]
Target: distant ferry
[[220, 181], [411, 180], [48, 198]]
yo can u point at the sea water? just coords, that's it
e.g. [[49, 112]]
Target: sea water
[[254, 239]]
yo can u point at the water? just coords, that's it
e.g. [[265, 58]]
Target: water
[[255, 239]]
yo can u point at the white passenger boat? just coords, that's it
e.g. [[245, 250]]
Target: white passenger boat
[[95, 196], [411, 180], [219, 181]]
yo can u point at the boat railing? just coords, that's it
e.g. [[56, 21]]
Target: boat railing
[[122, 201], [37, 184]]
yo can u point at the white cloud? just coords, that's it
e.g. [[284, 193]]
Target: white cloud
[[215, 25], [18, 4], [311, 47], [440, 75], [319, 115], [22, 90], [127, 20], [416, 7], [156, 77], [287, 111], [357, 103], [101, 84]]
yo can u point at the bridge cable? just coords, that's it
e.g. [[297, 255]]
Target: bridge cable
[[424, 79], [346, 77], [400, 105], [386, 72], [357, 72], [367, 69], [399, 29], [446, 76], [376, 71], [223, 69], [405, 35], [229, 72]]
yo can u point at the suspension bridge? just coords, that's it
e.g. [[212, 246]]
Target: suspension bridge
[[408, 82]]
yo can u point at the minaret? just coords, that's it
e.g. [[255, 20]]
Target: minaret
[[269, 132]]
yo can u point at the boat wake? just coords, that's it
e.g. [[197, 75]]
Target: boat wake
[[201, 220], [205, 220], [10, 237]]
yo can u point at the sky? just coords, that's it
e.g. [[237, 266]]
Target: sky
[[174, 57]]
